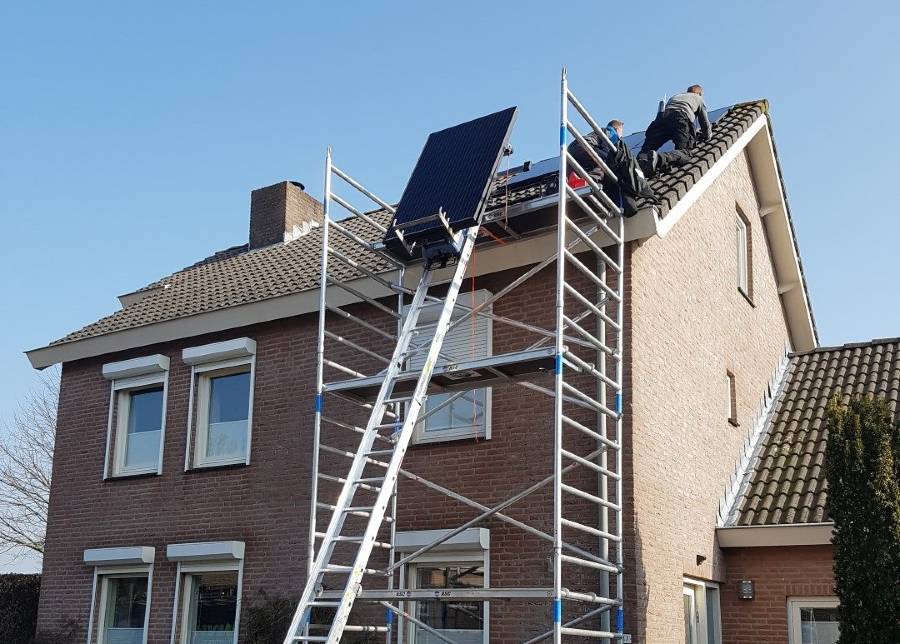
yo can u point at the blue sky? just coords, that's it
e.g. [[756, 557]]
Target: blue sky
[[132, 135]]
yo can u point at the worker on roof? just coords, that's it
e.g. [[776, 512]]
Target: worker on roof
[[626, 185], [614, 131], [676, 122]]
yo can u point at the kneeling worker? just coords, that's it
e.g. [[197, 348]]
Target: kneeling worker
[[676, 122]]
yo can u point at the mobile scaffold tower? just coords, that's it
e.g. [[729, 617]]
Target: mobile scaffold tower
[[369, 400]]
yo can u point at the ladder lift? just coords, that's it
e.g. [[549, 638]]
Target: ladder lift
[[370, 305]]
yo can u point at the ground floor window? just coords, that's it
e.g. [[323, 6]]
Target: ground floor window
[[702, 616], [813, 620], [462, 620], [123, 609], [210, 604]]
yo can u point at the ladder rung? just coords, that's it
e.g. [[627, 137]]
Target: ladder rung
[[583, 632], [586, 528], [337, 569], [578, 561], [354, 511], [590, 432], [590, 464], [339, 479], [359, 539], [309, 638], [324, 603], [380, 452], [590, 497]]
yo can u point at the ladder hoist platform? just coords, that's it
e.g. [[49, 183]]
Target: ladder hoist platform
[[370, 397]]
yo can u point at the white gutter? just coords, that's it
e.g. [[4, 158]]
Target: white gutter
[[758, 536]]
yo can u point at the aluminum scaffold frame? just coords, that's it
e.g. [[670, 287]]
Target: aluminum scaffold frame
[[583, 352]]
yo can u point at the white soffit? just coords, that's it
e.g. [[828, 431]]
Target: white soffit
[[136, 367], [757, 536], [206, 551], [237, 348], [128, 556], [465, 540]]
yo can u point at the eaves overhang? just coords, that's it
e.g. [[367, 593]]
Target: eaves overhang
[[760, 536]]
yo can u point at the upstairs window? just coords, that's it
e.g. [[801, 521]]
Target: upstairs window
[[744, 257], [222, 376], [137, 417], [446, 416]]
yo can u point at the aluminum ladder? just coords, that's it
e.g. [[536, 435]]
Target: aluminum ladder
[[383, 487]]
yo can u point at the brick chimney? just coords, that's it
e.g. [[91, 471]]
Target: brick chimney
[[281, 212]]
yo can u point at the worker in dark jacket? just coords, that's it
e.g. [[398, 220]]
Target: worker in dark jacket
[[613, 131], [676, 122]]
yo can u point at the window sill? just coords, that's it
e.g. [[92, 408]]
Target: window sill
[[224, 465], [133, 475], [437, 440], [746, 297]]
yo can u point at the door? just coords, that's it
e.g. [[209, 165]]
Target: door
[[690, 615]]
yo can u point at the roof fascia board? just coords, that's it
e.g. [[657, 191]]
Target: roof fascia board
[[761, 536], [780, 235]]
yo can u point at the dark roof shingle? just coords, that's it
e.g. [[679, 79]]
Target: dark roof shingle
[[785, 483]]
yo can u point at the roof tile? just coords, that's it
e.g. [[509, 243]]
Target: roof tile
[[786, 482]]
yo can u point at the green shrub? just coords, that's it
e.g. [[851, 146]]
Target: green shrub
[[18, 607], [862, 465]]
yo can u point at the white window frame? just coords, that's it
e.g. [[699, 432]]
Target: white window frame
[[743, 254], [471, 546], [701, 608], [132, 561], [427, 318], [207, 362], [193, 558], [126, 377], [795, 636]]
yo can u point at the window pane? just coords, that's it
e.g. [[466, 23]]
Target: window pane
[[144, 428], [467, 411], [213, 608], [713, 616], [818, 625], [126, 604], [229, 404], [461, 621]]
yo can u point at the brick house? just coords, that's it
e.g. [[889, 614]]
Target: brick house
[[182, 471]]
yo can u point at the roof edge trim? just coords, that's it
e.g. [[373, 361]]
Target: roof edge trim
[[750, 453], [762, 536]]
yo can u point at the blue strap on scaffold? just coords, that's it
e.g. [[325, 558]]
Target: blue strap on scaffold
[[389, 618], [320, 403], [562, 135], [618, 402], [557, 611], [620, 620], [558, 365]]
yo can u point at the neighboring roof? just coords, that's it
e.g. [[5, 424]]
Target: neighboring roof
[[785, 484], [238, 276]]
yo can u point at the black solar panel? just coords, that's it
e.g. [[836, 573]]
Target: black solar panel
[[453, 176]]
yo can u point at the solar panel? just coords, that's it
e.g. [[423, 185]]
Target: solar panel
[[451, 182], [633, 141]]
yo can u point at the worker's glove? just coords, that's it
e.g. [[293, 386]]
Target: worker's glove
[[703, 136]]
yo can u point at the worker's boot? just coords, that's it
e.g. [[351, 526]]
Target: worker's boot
[[648, 162]]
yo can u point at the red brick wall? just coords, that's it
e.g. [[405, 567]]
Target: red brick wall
[[266, 504], [777, 573]]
